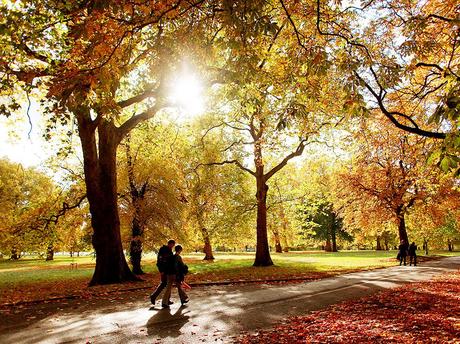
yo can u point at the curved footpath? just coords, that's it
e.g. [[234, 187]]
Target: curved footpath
[[214, 314]]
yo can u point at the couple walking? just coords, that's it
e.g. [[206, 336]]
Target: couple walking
[[407, 250], [172, 270]]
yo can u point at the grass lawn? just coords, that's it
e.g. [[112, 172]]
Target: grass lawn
[[31, 278]]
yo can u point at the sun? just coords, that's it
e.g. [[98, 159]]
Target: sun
[[187, 94]]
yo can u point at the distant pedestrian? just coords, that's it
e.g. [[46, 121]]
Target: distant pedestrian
[[402, 253], [165, 263], [412, 254], [181, 271]]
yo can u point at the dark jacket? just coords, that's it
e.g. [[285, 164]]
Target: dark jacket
[[181, 268], [412, 249], [403, 250], [165, 260]]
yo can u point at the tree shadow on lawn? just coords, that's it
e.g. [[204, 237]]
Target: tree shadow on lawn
[[229, 309]]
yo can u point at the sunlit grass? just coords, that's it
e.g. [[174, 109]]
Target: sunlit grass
[[226, 266]]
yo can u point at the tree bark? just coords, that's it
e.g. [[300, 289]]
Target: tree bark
[[207, 249], [50, 252], [99, 163], [379, 246], [425, 246], [402, 226], [278, 248], [135, 247], [262, 249], [137, 230], [328, 246], [334, 238]]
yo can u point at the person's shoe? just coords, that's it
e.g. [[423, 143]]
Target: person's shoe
[[164, 306], [152, 299], [170, 302], [185, 301]]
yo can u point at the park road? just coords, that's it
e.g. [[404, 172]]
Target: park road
[[214, 314]]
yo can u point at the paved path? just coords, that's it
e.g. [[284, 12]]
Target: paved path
[[213, 315]]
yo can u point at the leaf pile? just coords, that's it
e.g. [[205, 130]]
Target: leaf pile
[[424, 312]]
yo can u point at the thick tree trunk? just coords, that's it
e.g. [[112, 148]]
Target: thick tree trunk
[[379, 247], [101, 187], [278, 248], [135, 248], [50, 252], [207, 249], [262, 249], [334, 239], [402, 227], [328, 246], [285, 244], [450, 246], [137, 230]]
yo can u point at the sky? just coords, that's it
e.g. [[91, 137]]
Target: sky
[[15, 143]]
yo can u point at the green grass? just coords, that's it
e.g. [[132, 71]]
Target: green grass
[[31, 270]]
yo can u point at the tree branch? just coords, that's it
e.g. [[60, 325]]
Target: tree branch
[[228, 162], [299, 150]]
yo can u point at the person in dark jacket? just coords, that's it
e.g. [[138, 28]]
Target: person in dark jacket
[[412, 254], [402, 254], [165, 262], [181, 271]]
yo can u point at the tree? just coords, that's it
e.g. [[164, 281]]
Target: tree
[[281, 97], [388, 177], [92, 56], [151, 189], [404, 58]]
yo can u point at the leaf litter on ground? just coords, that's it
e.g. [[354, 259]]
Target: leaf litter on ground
[[423, 312]]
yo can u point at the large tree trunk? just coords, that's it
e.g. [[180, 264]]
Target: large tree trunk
[[135, 247], [278, 248], [101, 187], [207, 249], [334, 238], [402, 226], [379, 246], [328, 246], [208, 255], [50, 252], [137, 229], [262, 249]]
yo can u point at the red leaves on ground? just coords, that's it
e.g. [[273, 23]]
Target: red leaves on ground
[[425, 312]]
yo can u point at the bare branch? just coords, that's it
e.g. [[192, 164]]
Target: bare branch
[[126, 127], [151, 90], [228, 162], [299, 150]]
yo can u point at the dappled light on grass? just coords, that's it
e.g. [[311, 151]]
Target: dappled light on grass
[[416, 313], [27, 280]]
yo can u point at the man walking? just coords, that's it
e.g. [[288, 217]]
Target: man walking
[[165, 264], [412, 254]]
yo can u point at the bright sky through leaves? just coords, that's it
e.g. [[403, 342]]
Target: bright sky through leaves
[[187, 94]]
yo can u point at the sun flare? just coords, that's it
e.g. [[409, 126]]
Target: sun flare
[[187, 94]]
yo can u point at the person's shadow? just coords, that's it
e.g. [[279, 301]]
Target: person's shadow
[[166, 324]]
